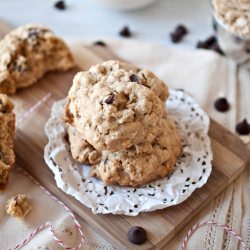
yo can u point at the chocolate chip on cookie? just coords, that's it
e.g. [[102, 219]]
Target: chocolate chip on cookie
[[60, 5], [137, 235], [243, 127], [125, 32], [110, 99], [134, 78], [222, 104]]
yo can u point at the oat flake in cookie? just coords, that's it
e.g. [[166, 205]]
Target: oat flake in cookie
[[27, 53], [112, 110]]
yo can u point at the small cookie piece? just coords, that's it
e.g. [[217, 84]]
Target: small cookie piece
[[81, 150], [141, 163], [27, 53], [18, 206], [112, 109], [7, 132]]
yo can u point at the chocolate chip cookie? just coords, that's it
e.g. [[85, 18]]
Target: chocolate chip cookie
[[115, 105], [27, 53], [7, 132], [141, 163]]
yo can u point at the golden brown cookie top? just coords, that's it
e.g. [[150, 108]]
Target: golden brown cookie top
[[113, 108]]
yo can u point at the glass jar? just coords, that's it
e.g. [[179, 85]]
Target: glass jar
[[231, 23]]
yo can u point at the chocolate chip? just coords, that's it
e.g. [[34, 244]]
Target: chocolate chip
[[100, 43], [125, 32], [137, 235], [134, 78], [60, 5], [221, 104], [177, 35], [110, 99], [243, 128], [210, 43], [248, 50], [66, 137], [211, 40], [181, 29], [217, 48], [201, 45]]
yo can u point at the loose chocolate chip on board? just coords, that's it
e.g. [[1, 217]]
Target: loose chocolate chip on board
[[60, 5], [110, 99], [222, 104], [125, 32], [134, 78], [100, 43], [137, 235], [248, 50], [243, 128]]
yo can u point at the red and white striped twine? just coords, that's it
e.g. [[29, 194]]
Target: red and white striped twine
[[48, 223], [212, 223]]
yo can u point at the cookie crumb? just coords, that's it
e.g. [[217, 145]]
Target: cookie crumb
[[18, 206]]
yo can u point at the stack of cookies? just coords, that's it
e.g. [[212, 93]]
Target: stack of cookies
[[117, 122]]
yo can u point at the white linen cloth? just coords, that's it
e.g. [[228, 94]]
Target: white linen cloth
[[203, 74]]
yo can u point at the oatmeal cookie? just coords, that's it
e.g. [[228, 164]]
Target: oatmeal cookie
[[27, 53], [80, 149], [141, 163], [111, 110], [7, 132], [18, 206]]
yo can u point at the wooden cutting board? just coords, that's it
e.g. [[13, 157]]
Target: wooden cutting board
[[230, 158]]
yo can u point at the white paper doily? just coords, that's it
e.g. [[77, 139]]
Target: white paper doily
[[191, 171]]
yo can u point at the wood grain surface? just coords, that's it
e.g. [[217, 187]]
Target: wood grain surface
[[230, 158]]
